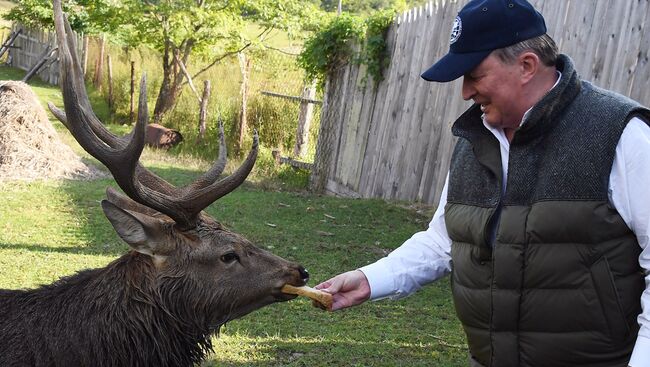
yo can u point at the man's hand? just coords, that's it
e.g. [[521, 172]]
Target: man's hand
[[347, 289]]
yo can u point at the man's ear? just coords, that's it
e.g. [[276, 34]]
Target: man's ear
[[143, 233], [529, 64]]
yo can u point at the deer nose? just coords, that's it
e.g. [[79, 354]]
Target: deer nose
[[304, 274]]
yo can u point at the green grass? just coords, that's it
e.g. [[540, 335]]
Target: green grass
[[50, 229]]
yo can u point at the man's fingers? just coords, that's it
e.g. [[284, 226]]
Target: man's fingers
[[323, 285]]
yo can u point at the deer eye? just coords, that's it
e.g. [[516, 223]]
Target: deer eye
[[229, 257]]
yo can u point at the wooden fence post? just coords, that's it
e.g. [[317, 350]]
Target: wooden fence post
[[10, 41], [329, 131], [109, 64], [305, 116], [100, 64], [203, 113], [131, 93], [47, 54], [84, 53], [245, 66]]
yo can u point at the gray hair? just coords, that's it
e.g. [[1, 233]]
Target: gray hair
[[543, 46]]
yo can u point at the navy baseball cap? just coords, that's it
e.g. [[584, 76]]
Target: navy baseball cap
[[481, 27]]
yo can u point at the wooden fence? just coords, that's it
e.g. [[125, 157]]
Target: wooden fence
[[30, 47], [393, 140]]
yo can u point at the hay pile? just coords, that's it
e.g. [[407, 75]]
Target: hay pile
[[29, 146]]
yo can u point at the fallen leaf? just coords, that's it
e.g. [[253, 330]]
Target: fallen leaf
[[271, 225]]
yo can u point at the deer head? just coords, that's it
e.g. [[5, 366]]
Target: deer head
[[217, 274]]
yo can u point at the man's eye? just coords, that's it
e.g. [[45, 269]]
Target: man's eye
[[229, 257]]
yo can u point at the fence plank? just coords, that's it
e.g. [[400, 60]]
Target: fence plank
[[395, 141], [639, 86]]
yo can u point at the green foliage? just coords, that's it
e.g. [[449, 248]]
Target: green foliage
[[87, 16], [366, 6], [375, 47], [209, 27], [334, 45], [198, 32]]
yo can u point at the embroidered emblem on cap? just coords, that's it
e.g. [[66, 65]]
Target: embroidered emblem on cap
[[455, 31]]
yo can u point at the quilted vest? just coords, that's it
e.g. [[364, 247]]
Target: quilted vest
[[561, 283]]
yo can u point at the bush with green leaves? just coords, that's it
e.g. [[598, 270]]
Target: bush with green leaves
[[348, 38]]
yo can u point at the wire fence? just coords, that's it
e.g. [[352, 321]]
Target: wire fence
[[265, 75]]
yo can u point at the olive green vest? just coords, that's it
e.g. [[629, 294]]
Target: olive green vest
[[561, 284]]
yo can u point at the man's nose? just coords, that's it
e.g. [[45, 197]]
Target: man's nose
[[468, 89]]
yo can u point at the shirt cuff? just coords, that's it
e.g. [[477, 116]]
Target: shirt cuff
[[641, 352], [380, 280]]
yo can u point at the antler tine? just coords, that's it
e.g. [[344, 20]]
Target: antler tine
[[195, 201], [59, 114], [74, 97], [68, 42], [218, 166], [121, 155]]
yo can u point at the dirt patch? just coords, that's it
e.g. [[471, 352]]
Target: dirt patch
[[30, 148]]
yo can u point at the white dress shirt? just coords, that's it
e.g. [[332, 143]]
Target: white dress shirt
[[426, 256]]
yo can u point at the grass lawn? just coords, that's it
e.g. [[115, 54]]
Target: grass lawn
[[50, 229]]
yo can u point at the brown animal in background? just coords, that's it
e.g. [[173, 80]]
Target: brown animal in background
[[158, 136], [159, 304]]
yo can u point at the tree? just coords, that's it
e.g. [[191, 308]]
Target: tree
[[87, 16], [205, 31]]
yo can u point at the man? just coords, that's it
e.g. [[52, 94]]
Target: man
[[545, 214]]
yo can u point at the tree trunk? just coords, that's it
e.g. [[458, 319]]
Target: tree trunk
[[166, 100], [170, 89]]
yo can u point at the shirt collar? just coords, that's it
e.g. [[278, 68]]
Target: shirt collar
[[527, 113]]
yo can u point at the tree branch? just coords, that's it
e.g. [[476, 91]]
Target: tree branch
[[281, 51], [217, 60], [187, 75]]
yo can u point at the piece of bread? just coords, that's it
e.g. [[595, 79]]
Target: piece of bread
[[323, 298]]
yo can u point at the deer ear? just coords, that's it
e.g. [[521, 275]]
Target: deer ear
[[143, 233]]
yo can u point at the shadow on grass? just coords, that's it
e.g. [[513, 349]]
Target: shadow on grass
[[92, 227], [76, 250]]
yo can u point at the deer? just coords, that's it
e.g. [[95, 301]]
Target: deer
[[185, 274]]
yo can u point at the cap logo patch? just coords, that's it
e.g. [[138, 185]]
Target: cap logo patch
[[455, 30]]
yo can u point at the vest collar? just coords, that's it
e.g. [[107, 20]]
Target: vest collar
[[545, 114]]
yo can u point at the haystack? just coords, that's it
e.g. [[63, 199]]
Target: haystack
[[29, 146]]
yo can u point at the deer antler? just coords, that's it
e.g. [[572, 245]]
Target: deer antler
[[121, 154]]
